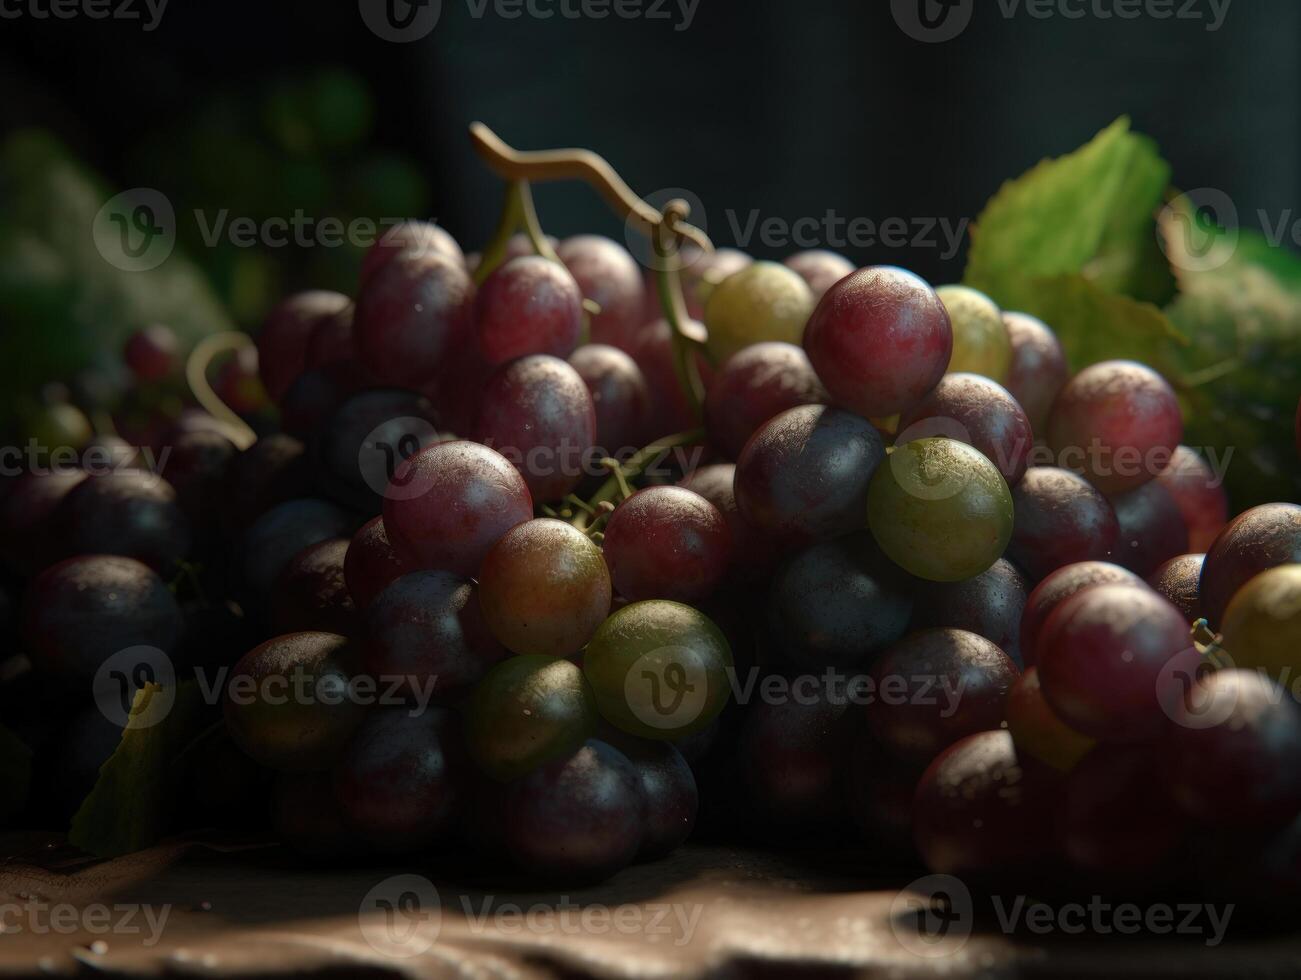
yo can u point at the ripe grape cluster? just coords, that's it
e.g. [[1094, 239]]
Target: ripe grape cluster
[[899, 577]]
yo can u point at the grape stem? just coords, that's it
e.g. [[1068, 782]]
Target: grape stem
[[637, 464], [196, 375]]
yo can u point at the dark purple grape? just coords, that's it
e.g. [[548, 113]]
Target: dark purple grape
[[989, 605], [804, 476], [1060, 520], [880, 339], [366, 439], [451, 502], [1056, 589], [152, 353], [282, 341], [1179, 580], [820, 269], [1118, 423], [426, 631], [125, 512], [529, 305], [273, 470], [1117, 817], [406, 237], [412, 315], [620, 396], [669, 787], [399, 783], [282, 532], [311, 594], [1200, 496], [977, 411], [752, 554], [667, 543], [791, 758], [836, 603], [935, 687], [28, 534], [316, 394], [544, 588], [979, 810], [1103, 655], [196, 466], [1038, 370], [1254, 541], [1230, 756], [609, 276], [538, 413], [581, 818], [372, 563], [289, 702], [754, 385], [82, 611], [1151, 528], [331, 342]]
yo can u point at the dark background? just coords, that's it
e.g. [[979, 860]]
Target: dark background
[[790, 107]]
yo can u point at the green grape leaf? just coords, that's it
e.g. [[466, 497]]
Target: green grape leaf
[[15, 773], [1090, 213], [130, 806]]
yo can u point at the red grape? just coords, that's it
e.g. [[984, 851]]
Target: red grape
[[1060, 520], [331, 341], [754, 385], [609, 276], [1101, 658], [804, 475], [670, 410], [1059, 586], [936, 687], [372, 563], [1038, 369], [752, 554], [412, 316], [1151, 528], [620, 396], [980, 412], [409, 236], [538, 413], [530, 305], [1036, 729], [1256, 540], [1199, 495], [1230, 757], [544, 588], [1179, 580], [451, 502], [152, 353], [282, 342], [880, 339], [820, 269], [667, 543], [1118, 423]]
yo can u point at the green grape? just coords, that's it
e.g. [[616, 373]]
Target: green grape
[[59, 426], [981, 343], [764, 301], [527, 711], [1262, 626], [659, 669], [940, 510]]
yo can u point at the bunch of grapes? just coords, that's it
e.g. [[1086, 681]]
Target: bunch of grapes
[[499, 580]]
